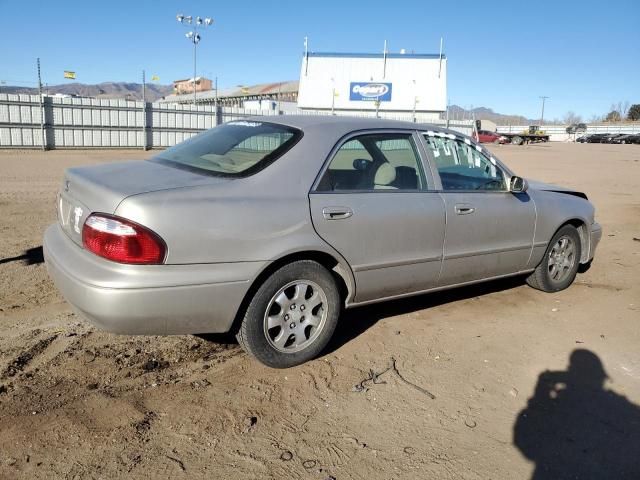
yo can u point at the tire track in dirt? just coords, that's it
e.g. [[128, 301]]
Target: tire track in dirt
[[22, 361]]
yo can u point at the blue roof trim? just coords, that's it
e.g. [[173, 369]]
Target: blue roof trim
[[376, 55]]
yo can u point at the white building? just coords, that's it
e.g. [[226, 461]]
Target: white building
[[396, 83]]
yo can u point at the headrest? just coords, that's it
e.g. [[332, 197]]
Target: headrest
[[385, 174]]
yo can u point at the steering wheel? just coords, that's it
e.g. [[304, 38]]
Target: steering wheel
[[483, 186]]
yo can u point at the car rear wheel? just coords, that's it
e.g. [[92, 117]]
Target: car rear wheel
[[517, 140], [292, 315], [560, 263]]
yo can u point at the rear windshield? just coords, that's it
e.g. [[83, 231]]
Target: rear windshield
[[237, 148]]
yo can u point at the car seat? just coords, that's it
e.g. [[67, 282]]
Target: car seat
[[385, 176]]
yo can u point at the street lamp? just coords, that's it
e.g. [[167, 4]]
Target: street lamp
[[194, 37]]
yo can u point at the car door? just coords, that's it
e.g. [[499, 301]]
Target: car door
[[372, 205], [489, 230]]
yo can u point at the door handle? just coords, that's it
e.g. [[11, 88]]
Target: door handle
[[336, 213], [464, 209]]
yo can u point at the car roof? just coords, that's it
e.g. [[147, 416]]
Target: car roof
[[346, 124]]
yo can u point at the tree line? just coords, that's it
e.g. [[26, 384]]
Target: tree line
[[618, 112]]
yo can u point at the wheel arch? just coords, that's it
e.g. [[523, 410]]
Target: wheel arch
[[340, 270], [581, 226]]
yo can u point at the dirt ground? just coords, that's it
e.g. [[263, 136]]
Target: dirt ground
[[476, 382]]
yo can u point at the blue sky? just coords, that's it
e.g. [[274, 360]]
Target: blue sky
[[503, 55]]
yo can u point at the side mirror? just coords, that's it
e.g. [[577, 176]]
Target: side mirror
[[361, 164], [518, 185]]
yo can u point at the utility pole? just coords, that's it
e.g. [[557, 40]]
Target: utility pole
[[306, 55], [440, 63], [42, 133], [448, 103], [144, 111], [333, 95], [415, 100], [279, 97], [384, 59], [542, 114]]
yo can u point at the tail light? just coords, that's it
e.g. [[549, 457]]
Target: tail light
[[122, 241]]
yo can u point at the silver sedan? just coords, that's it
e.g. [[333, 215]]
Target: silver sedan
[[269, 227]]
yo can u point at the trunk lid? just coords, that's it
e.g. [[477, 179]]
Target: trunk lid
[[101, 188]]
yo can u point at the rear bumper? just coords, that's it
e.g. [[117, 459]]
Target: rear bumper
[[596, 235], [147, 299]]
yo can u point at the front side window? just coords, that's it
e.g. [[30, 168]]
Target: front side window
[[237, 148], [386, 161], [462, 167]]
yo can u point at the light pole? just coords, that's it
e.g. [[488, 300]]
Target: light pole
[[415, 101], [194, 37], [333, 95], [542, 114]]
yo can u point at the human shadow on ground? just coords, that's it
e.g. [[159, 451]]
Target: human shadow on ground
[[32, 256], [574, 428]]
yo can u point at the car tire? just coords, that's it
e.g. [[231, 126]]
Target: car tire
[[292, 315], [517, 140], [559, 266]]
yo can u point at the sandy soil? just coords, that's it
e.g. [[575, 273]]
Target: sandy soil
[[79, 403]]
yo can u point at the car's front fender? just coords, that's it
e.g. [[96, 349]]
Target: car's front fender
[[555, 209]]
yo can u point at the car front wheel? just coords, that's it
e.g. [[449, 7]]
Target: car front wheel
[[292, 315], [560, 263]]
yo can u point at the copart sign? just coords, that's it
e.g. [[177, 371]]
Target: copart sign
[[370, 92]]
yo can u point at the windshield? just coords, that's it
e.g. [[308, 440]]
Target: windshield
[[236, 148]]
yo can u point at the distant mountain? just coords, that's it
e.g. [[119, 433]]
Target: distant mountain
[[124, 90], [133, 91], [457, 112]]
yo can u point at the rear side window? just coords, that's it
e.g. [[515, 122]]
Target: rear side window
[[237, 148], [380, 162]]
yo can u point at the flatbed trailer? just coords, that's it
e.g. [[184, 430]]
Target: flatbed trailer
[[532, 135], [521, 138]]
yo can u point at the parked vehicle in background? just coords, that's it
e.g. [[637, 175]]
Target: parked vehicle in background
[[270, 228], [576, 128], [596, 138], [607, 138], [623, 139], [610, 138], [485, 136], [617, 138], [487, 129], [532, 135]]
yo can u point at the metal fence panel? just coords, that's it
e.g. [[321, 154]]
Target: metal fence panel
[[114, 123], [16, 136], [4, 113]]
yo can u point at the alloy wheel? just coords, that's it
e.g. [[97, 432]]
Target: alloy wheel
[[295, 316], [562, 258]]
